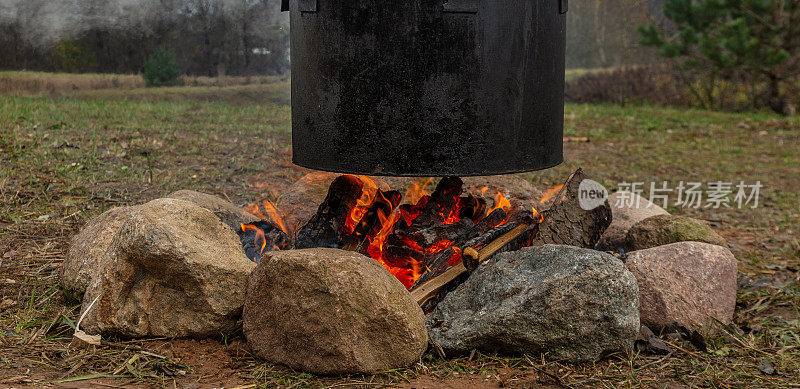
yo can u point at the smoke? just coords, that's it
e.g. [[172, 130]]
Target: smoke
[[43, 22]]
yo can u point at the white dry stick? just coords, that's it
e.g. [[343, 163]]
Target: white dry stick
[[83, 315], [81, 339]]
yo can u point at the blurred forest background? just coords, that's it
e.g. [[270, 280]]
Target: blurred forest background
[[243, 37], [208, 37], [603, 33], [717, 54]]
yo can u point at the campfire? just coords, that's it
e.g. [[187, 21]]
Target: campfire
[[427, 240]]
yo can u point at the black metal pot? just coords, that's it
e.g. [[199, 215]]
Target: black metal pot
[[427, 87]]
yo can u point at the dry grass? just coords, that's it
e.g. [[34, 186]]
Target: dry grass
[[66, 160], [26, 83], [232, 81]]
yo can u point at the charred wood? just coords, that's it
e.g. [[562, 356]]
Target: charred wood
[[260, 237], [432, 289], [430, 236], [470, 257], [325, 227], [437, 264], [434, 209]]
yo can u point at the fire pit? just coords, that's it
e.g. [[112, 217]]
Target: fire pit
[[419, 88], [428, 240], [466, 266]]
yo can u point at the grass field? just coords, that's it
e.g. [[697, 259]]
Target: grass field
[[67, 157]]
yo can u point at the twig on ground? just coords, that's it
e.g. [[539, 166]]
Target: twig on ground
[[656, 362], [553, 376]]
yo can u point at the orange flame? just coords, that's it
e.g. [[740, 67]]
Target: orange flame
[[376, 251], [417, 190], [275, 215], [253, 208], [550, 192], [537, 217], [368, 194], [500, 202], [259, 235]]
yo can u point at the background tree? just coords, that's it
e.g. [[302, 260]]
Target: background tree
[[755, 41], [161, 69]]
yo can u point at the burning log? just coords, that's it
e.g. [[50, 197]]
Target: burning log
[[433, 244], [428, 234], [262, 236], [566, 223], [326, 226], [436, 265], [441, 207], [379, 212], [431, 236]]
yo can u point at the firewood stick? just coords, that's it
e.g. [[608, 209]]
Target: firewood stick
[[429, 289], [487, 251]]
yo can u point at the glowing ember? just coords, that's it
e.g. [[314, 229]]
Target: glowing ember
[[408, 274], [455, 259], [453, 216]]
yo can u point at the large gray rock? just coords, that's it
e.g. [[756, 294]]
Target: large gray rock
[[687, 282], [661, 230], [226, 211], [89, 250], [570, 303], [627, 209], [174, 270], [331, 311]]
